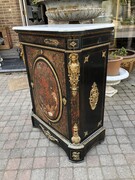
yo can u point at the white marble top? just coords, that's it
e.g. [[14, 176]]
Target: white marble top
[[63, 27]]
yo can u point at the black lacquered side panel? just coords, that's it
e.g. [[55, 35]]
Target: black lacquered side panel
[[93, 81]]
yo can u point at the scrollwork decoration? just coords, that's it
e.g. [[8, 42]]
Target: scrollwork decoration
[[94, 96], [48, 134], [53, 42], [76, 156]]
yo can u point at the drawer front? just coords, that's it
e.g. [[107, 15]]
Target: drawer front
[[92, 87], [47, 80], [43, 40], [95, 40]]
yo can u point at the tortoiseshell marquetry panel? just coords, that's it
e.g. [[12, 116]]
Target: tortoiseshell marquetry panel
[[47, 77]]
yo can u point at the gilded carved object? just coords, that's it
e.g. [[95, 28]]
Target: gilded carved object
[[103, 54], [76, 156], [73, 43], [86, 59], [99, 123], [76, 138], [22, 53], [41, 52], [53, 42], [94, 96], [32, 84], [86, 133], [48, 134], [74, 72], [64, 101]]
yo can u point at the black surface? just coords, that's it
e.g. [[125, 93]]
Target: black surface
[[92, 71], [12, 65]]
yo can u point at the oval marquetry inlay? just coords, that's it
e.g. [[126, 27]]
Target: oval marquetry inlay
[[47, 90]]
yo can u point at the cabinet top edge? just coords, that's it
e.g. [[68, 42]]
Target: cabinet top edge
[[63, 27]]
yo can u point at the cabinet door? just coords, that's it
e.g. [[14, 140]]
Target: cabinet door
[[46, 70], [92, 91]]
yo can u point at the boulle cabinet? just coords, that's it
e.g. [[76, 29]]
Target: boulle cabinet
[[66, 67]]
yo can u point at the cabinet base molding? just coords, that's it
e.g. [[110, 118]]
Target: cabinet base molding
[[75, 152]]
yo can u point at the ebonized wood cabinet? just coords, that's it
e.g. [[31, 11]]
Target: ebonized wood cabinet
[[66, 66]]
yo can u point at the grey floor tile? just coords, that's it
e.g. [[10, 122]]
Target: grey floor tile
[[95, 173], [66, 173], [109, 172], [24, 174], [52, 174], [93, 161], [80, 173], [119, 159], [106, 160], [124, 172], [37, 174], [114, 149]]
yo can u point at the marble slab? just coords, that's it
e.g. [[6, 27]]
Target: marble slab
[[63, 27], [123, 75]]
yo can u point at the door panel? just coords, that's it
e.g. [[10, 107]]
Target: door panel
[[48, 83]]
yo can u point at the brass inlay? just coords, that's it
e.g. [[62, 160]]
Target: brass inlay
[[59, 89], [32, 84], [86, 133], [64, 101], [63, 50], [94, 96], [22, 52], [66, 141], [76, 138], [73, 72], [96, 134], [41, 51], [73, 44], [103, 54], [99, 123], [48, 134], [86, 59], [76, 156], [53, 42]]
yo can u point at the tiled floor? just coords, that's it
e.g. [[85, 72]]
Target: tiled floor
[[25, 153]]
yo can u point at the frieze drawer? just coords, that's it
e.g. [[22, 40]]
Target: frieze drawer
[[95, 40], [43, 40]]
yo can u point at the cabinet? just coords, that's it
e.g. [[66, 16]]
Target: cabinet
[[66, 67]]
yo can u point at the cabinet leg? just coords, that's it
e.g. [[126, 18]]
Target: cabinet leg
[[34, 122]]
